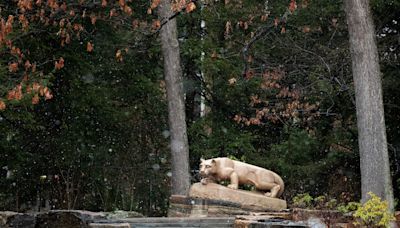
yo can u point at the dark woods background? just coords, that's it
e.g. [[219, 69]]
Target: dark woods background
[[276, 87]]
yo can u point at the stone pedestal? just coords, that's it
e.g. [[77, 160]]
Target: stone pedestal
[[220, 198]]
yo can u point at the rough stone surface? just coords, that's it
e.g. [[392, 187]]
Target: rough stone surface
[[14, 219], [246, 199], [327, 216], [265, 216], [123, 214], [179, 206], [5, 216], [67, 219], [267, 220], [179, 210]]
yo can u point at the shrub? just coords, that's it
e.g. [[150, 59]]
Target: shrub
[[373, 213], [303, 200]]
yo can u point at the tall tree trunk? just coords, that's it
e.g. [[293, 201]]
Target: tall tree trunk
[[374, 158], [176, 106]]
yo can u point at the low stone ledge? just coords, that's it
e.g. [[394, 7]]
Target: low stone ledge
[[109, 225], [179, 206]]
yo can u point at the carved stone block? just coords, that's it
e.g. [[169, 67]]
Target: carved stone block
[[243, 199]]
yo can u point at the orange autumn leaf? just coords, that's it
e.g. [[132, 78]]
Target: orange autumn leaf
[[113, 12], [18, 95], [53, 4], [178, 5], [264, 17], [8, 43], [118, 56], [25, 5], [27, 65], [156, 24], [13, 67], [2, 105], [15, 51], [89, 47], [24, 22], [63, 6], [35, 86], [15, 93], [135, 24], [62, 23], [35, 99], [25, 78], [276, 22], [93, 18], [28, 89], [78, 27], [11, 95], [292, 6], [128, 10], [9, 24], [306, 29], [190, 7], [48, 95], [59, 64], [43, 90], [155, 3], [214, 55]]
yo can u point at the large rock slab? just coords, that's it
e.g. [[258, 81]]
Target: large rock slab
[[14, 219], [67, 219], [245, 199]]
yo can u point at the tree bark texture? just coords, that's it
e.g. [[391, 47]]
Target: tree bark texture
[[374, 158], [176, 106]]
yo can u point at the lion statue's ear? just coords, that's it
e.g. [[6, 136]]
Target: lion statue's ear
[[213, 161], [202, 160]]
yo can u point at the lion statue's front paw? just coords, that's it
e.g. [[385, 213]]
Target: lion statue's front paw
[[205, 181], [232, 186]]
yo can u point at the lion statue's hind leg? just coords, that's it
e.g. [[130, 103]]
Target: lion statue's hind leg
[[270, 189], [274, 191]]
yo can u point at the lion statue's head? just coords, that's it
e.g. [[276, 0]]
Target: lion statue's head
[[208, 167]]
